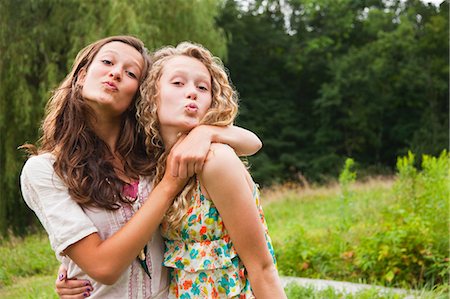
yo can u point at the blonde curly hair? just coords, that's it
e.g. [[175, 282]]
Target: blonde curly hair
[[222, 112]]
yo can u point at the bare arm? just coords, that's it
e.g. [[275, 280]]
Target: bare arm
[[105, 260], [244, 142], [191, 152], [232, 195]]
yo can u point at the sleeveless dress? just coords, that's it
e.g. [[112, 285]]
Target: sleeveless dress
[[202, 260]]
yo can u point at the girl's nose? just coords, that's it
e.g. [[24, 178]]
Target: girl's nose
[[115, 73], [191, 93]]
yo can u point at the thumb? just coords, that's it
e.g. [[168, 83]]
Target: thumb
[[175, 165], [62, 272]]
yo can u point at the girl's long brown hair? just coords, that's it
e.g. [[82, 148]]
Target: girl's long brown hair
[[223, 111], [82, 159]]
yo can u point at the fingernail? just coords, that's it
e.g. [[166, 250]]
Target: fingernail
[[88, 289], [85, 295], [87, 283], [61, 277]]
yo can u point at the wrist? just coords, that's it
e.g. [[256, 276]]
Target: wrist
[[209, 132], [168, 189]]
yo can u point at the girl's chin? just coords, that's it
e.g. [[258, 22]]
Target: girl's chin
[[189, 125]]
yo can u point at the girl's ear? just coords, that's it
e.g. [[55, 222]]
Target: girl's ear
[[81, 77]]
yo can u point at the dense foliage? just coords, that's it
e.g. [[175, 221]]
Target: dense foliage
[[320, 80], [393, 236]]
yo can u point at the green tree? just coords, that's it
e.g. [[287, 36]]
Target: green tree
[[321, 80], [257, 59], [389, 95]]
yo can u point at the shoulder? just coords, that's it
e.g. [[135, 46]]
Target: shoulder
[[223, 163], [38, 163], [39, 169], [220, 158]]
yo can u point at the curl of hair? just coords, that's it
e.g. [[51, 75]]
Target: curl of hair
[[82, 159], [222, 112]]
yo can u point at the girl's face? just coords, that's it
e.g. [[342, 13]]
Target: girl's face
[[185, 93], [112, 79]]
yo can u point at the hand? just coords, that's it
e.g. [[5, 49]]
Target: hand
[[71, 288], [174, 183], [190, 153]]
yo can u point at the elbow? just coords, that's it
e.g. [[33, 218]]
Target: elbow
[[106, 279], [105, 276], [259, 145], [256, 146], [265, 271]]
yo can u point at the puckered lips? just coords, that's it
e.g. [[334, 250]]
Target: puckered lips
[[109, 85], [191, 108]]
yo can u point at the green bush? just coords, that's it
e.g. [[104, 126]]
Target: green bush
[[397, 255], [396, 236]]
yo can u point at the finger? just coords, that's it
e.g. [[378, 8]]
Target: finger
[[79, 296], [175, 165], [190, 169], [74, 287], [62, 273], [182, 169], [198, 167]]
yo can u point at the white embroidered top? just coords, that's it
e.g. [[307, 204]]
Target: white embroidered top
[[66, 223]]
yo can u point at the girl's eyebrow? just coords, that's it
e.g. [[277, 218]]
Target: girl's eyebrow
[[134, 62], [201, 76]]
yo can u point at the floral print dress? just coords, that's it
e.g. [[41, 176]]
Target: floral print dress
[[202, 261]]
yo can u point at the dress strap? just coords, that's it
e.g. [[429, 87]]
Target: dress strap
[[197, 182]]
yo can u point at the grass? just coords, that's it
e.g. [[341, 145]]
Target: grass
[[28, 267], [38, 286], [24, 257], [298, 292], [317, 214]]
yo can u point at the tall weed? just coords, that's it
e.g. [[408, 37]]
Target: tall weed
[[346, 178], [411, 245]]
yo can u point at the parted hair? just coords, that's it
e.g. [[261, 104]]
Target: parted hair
[[222, 112], [82, 159]]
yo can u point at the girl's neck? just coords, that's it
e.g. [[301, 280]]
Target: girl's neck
[[108, 130], [170, 136]]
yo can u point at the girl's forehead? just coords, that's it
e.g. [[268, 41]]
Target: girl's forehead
[[185, 64], [123, 51]]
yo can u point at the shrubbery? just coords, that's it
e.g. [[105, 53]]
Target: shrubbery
[[411, 246], [396, 237]]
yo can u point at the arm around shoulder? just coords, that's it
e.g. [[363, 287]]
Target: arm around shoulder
[[243, 141]]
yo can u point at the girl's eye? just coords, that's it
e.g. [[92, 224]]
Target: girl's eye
[[106, 61], [132, 75], [177, 83], [204, 88]]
